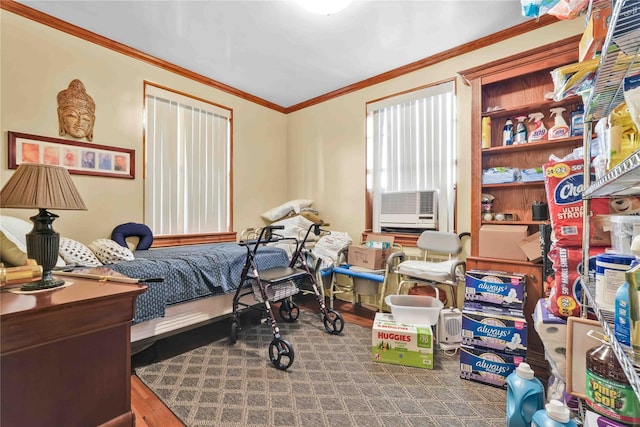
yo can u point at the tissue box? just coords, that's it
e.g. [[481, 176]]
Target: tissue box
[[373, 254], [500, 289], [401, 344], [488, 367], [489, 330]]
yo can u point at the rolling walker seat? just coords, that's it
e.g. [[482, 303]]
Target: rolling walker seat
[[440, 263]]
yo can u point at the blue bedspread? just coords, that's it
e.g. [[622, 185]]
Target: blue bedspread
[[191, 272]]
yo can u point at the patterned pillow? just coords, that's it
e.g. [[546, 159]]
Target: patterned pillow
[[109, 251], [78, 254]]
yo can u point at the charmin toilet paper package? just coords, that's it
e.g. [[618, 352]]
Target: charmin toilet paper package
[[489, 330], [495, 288], [553, 333]]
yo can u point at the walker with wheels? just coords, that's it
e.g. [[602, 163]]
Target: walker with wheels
[[279, 284]]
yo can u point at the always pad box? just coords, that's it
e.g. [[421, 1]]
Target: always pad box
[[496, 288], [490, 330], [486, 366]]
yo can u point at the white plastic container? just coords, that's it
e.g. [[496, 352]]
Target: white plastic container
[[414, 309], [623, 229]]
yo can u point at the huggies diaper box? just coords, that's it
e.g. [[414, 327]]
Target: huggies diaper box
[[497, 288], [502, 332], [400, 344], [486, 366]]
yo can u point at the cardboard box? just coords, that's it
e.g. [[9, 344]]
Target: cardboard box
[[502, 241], [531, 247], [491, 330], [495, 288], [400, 344], [594, 33], [488, 367], [373, 257]]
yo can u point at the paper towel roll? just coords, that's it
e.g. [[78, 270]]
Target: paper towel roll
[[553, 333]]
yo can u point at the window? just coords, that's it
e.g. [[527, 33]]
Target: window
[[411, 146], [188, 164]]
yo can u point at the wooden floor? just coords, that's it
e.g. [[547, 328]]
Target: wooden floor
[[151, 412]]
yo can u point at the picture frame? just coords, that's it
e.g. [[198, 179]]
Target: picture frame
[[79, 158], [578, 345]]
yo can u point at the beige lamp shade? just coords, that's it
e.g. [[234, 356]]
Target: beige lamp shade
[[40, 186]]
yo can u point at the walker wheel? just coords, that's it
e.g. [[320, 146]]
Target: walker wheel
[[281, 353], [233, 333], [333, 322], [289, 311]]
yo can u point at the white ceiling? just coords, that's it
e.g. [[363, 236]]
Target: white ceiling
[[279, 52]]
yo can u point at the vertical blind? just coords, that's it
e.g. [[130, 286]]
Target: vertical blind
[[188, 160], [412, 147]]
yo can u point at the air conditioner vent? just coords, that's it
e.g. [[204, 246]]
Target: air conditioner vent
[[409, 209]]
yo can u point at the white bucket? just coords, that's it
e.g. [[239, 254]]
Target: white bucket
[[414, 309]]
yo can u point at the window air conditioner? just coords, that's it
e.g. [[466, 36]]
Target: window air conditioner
[[409, 209]]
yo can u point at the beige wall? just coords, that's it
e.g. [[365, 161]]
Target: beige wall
[[37, 62], [315, 153], [329, 139]]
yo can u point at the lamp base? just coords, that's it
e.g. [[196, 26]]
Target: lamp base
[[42, 284]]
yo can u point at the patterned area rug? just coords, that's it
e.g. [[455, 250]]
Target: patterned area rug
[[332, 382]]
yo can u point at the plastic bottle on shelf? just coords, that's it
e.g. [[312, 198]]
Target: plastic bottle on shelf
[[486, 132], [554, 414], [621, 319], [608, 391], [577, 121], [520, 135], [560, 129], [539, 132], [507, 133], [525, 396]]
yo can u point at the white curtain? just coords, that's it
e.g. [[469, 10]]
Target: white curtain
[[187, 164], [412, 147]]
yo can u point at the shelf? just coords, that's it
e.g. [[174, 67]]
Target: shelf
[[516, 222], [620, 58], [605, 318], [529, 146], [525, 110], [622, 180], [515, 184]]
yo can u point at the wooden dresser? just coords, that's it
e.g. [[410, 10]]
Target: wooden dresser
[[65, 355]]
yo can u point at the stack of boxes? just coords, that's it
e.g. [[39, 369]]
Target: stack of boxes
[[494, 329]]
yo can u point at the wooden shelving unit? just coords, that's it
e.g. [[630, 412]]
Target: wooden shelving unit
[[518, 85]]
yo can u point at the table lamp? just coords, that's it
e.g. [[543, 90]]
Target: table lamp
[[42, 187]]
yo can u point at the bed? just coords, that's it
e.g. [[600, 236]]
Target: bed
[[198, 286]]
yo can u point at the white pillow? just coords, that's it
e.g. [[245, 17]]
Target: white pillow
[[109, 251], [16, 229], [285, 208], [78, 254], [295, 226]]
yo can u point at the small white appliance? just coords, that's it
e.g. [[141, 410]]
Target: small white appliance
[[450, 328], [409, 209]]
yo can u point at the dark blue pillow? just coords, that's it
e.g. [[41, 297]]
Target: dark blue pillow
[[121, 232]]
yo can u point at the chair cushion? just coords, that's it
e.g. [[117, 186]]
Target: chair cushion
[[428, 270]]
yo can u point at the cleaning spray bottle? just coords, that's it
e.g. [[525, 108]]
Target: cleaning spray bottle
[[525, 396], [621, 319], [507, 133], [560, 129], [539, 132], [520, 135]]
